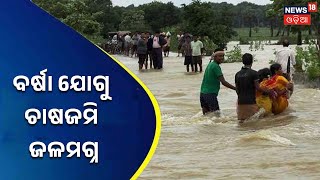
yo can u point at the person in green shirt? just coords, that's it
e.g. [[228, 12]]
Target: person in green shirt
[[210, 86]]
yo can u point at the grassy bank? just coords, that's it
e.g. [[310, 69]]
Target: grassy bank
[[264, 34]]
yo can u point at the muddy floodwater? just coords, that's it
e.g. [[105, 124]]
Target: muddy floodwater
[[192, 146]]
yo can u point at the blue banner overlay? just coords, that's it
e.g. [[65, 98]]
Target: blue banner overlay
[[92, 111]]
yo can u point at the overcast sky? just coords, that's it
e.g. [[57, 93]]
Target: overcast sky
[[177, 3]]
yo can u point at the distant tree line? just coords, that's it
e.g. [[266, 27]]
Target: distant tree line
[[95, 18]]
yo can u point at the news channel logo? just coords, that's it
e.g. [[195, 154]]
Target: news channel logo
[[299, 15]]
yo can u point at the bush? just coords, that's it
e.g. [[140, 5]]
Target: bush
[[208, 45], [300, 56], [307, 40], [96, 39], [292, 40], [173, 38], [234, 55], [313, 72], [307, 60], [243, 41]]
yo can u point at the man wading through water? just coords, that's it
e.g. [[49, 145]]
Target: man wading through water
[[247, 82], [211, 83], [286, 58]]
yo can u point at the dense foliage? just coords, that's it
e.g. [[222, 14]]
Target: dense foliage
[[215, 20], [307, 61]]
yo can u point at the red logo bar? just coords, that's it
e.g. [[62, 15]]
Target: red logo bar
[[312, 6], [301, 19]]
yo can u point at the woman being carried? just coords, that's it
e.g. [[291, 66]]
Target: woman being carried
[[278, 83], [264, 100]]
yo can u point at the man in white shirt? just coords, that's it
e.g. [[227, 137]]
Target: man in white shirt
[[127, 44], [286, 57], [196, 46], [114, 43]]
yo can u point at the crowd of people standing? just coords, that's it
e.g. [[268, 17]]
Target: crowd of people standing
[[149, 48]]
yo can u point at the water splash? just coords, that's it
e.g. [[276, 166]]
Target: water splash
[[198, 119], [256, 117], [266, 135]]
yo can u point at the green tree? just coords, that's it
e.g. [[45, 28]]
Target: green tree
[[75, 14], [58, 9], [82, 19], [133, 21], [159, 15], [243, 17], [204, 19], [108, 16], [271, 15], [249, 16]]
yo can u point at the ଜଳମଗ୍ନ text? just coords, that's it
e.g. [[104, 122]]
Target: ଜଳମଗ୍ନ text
[[72, 116]]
